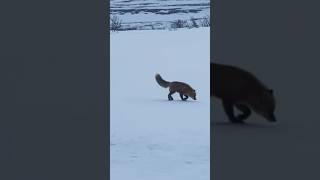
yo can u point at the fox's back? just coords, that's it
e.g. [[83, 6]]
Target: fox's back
[[232, 82], [180, 86]]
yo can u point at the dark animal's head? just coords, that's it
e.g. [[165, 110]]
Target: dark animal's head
[[266, 104], [192, 94]]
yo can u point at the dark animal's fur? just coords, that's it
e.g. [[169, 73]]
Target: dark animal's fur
[[183, 89], [241, 89]]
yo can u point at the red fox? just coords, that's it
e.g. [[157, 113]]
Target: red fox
[[183, 89], [241, 89]]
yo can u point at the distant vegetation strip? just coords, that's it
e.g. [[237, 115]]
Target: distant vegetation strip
[[116, 24]]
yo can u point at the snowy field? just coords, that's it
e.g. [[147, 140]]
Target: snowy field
[[153, 138], [144, 14]]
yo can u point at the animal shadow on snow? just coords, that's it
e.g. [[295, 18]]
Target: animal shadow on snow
[[147, 100], [174, 101], [240, 125]]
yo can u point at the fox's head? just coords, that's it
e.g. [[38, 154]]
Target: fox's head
[[266, 104], [192, 94]]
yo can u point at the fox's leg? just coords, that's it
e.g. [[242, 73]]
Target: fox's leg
[[169, 95], [186, 97], [228, 108], [246, 112], [183, 98]]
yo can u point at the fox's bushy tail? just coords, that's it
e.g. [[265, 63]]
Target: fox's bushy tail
[[161, 81]]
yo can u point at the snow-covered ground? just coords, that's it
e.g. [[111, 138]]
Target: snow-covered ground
[[153, 138], [142, 14]]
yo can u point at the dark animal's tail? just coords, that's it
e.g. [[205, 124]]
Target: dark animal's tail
[[162, 82]]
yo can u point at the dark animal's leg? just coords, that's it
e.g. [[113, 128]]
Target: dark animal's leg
[[246, 112], [183, 98], [169, 95], [228, 108]]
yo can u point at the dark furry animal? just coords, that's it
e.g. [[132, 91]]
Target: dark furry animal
[[241, 89], [182, 88]]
